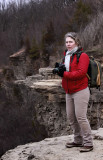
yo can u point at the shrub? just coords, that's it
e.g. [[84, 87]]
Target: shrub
[[27, 44], [81, 14], [48, 38], [34, 52]]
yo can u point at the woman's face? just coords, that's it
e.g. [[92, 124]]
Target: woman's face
[[70, 43]]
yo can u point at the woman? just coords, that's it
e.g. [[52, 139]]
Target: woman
[[75, 84]]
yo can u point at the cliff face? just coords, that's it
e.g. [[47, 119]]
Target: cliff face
[[47, 98], [33, 108]]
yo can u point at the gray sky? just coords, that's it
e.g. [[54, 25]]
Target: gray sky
[[7, 1]]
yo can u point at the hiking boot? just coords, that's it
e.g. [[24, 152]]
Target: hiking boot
[[86, 149], [72, 144]]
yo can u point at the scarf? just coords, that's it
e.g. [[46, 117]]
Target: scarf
[[67, 57]]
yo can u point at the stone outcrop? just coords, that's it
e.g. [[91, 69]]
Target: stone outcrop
[[22, 65], [18, 64], [31, 110], [48, 99], [54, 149]]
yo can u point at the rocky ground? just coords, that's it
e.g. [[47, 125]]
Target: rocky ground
[[54, 149]]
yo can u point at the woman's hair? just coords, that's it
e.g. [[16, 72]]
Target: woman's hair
[[74, 36]]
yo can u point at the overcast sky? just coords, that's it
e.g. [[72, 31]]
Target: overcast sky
[[7, 1]]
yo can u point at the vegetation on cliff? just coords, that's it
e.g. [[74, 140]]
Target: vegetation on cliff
[[46, 22]]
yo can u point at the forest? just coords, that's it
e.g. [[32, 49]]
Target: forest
[[40, 26]]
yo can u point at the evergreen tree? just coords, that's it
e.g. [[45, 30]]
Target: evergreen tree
[[34, 52], [47, 41], [81, 14]]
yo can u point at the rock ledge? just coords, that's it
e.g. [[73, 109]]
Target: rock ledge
[[54, 149]]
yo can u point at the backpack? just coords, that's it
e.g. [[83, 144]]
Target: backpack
[[94, 73]]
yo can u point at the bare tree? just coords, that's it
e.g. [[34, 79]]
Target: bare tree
[[19, 20]]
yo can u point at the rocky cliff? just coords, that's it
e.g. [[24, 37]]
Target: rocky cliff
[[32, 108]]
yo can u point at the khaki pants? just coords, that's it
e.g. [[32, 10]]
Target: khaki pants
[[76, 108]]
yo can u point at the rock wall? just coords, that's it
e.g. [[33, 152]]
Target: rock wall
[[29, 112], [95, 109], [18, 121]]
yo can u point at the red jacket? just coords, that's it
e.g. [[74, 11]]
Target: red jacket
[[76, 79]]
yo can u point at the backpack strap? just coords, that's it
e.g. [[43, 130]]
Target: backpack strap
[[98, 76], [88, 76], [78, 54], [64, 56]]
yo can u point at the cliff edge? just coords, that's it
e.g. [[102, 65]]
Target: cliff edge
[[54, 149]]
